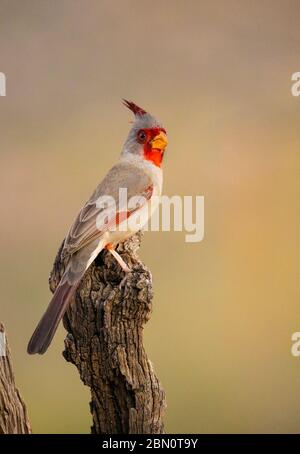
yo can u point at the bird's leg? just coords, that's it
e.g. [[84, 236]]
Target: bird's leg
[[118, 258]]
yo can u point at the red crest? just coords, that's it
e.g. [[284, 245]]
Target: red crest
[[134, 108]]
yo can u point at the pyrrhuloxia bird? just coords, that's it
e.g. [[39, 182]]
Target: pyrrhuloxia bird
[[100, 226]]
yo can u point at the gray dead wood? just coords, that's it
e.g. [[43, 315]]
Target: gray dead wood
[[105, 342], [13, 414]]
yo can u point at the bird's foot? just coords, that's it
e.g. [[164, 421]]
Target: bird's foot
[[124, 280], [118, 258]]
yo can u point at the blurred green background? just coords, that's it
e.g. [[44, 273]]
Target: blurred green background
[[218, 73]]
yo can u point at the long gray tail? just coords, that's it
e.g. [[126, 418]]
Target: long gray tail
[[44, 332]]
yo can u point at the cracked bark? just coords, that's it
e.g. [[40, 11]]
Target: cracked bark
[[13, 414], [105, 342]]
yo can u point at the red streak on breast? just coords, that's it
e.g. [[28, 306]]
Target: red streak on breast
[[122, 216]]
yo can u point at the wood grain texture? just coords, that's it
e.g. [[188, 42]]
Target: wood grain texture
[[13, 414], [105, 342]]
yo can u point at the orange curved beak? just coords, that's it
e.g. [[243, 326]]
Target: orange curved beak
[[159, 142]]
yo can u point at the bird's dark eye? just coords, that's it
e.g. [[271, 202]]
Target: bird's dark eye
[[142, 136]]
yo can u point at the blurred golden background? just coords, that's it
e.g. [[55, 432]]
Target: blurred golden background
[[218, 74]]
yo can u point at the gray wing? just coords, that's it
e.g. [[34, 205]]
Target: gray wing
[[86, 227]]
